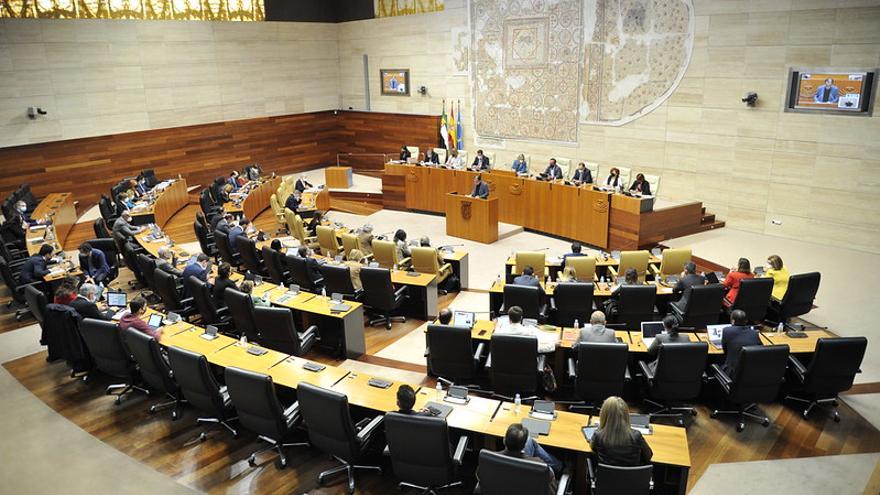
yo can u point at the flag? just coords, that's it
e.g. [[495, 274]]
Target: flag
[[453, 139], [459, 132], [444, 127]]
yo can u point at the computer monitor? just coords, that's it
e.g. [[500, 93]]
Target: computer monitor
[[463, 319], [117, 299]]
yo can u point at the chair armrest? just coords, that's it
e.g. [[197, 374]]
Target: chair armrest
[[799, 368], [308, 338], [366, 432], [541, 361], [552, 304], [386, 451], [488, 361], [675, 309], [613, 271], [404, 262], [319, 280], [401, 291], [222, 310], [478, 354], [572, 373], [460, 448], [427, 352], [655, 269], [564, 481], [647, 371], [590, 473], [292, 411], [187, 302], [721, 376]]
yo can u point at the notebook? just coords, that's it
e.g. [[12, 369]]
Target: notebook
[[438, 410]]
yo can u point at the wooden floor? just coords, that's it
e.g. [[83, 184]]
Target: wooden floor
[[220, 463]]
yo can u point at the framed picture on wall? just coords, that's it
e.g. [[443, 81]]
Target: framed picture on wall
[[395, 82]]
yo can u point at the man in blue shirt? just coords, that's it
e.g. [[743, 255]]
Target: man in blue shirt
[[93, 262], [527, 278], [575, 251], [235, 231], [733, 338], [517, 443]]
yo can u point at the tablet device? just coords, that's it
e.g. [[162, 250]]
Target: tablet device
[[155, 320], [588, 432], [117, 299], [463, 319]]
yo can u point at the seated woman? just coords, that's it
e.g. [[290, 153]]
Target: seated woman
[[354, 263], [742, 271], [403, 250], [317, 219], [454, 160], [780, 275], [248, 288], [519, 165], [404, 153], [222, 282], [614, 180], [630, 277], [567, 275], [615, 442], [640, 186]]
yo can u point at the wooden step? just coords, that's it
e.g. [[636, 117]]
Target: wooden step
[[708, 218]]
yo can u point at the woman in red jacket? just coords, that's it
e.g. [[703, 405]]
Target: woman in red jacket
[[734, 277]]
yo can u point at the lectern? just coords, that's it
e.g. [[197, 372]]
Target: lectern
[[472, 218]]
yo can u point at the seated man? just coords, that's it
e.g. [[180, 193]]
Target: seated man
[[576, 249], [406, 399], [35, 268], [527, 278], [365, 239], [445, 316], [733, 338], [517, 443], [689, 279], [237, 229], [86, 303], [481, 162], [311, 263], [134, 318], [200, 270], [596, 332], [293, 201], [302, 184], [96, 268], [431, 156], [167, 262], [123, 225], [670, 335], [553, 171], [514, 326]]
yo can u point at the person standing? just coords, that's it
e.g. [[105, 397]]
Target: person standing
[[481, 189]]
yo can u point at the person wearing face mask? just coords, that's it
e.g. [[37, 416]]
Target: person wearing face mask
[[86, 303], [17, 223], [614, 179]]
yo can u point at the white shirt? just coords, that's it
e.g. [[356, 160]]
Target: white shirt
[[455, 161], [546, 340]]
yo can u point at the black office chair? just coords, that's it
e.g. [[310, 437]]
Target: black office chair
[[635, 304], [36, 302], [530, 299], [260, 411], [209, 247], [241, 309], [572, 301], [450, 353], [678, 376], [169, 290], [193, 373], [757, 377], [831, 371], [703, 306], [275, 266], [328, 419], [380, 295], [107, 209], [221, 240], [154, 370], [62, 338], [514, 366], [149, 177], [301, 274], [16, 289], [104, 341], [500, 474], [204, 302], [277, 331], [606, 479], [337, 279], [101, 230], [420, 454], [247, 250], [798, 299], [754, 298], [130, 258], [599, 372], [111, 254], [147, 269]]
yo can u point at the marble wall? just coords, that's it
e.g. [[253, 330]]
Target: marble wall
[[99, 77], [816, 174]]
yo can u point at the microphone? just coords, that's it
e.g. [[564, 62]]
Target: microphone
[[450, 246]]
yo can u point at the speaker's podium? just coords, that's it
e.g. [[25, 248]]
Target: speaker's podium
[[472, 218]]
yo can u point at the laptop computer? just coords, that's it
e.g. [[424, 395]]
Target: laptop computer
[[714, 333], [463, 319], [650, 330], [117, 299], [714, 277], [155, 320]]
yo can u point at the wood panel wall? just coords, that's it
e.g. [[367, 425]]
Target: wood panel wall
[[286, 144]]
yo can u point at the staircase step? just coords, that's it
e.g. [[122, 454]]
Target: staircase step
[[708, 218]]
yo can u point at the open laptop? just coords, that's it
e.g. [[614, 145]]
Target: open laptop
[[117, 299], [650, 330], [463, 319]]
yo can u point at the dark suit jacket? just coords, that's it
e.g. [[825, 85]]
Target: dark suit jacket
[[292, 203], [222, 226], [553, 172], [644, 189], [14, 226], [97, 266], [233, 234], [314, 268], [404, 155], [637, 452], [432, 157], [481, 190], [664, 338], [481, 162], [87, 309], [585, 176], [33, 269], [530, 280], [220, 285], [193, 270], [301, 185], [166, 267], [733, 339], [684, 285]]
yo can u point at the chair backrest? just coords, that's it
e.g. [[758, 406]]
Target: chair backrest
[[247, 248], [327, 240], [109, 248], [679, 373], [166, 286], [300, 274], [798, 299], [835, 364], [349, 242], [254, 398], [625, 173], [276, 207], [565, 165], [703, 306], [36, 302], [201, 293], [221, 240], [424, 260], [10, 281], [601, 370], [526, 297], [673, 260], [754, 297], [441, 154], [104, 342], [101, 230], [105, 206], [385, 253], [631, 480], [450, 352], [151, 365], [500, 474], [277, 329], [272, 259], [514, 364], [574, 301], [758, 373], [129, 257], [534, 259], [419, 449], [634, 259], [196, 380], [414, 151], [337, 278], [202, 236], [593, 167], [378, 289], [241, 308], [584, 267], [292, 226], [654, 182], [147, 267], [328, 419]]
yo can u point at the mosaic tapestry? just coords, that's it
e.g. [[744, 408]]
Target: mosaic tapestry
[[393, 8], [539, 67], [188, 10]]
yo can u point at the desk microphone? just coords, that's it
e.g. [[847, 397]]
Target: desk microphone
[[450, 246]]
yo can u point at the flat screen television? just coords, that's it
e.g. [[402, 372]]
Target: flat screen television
[[827, 90]]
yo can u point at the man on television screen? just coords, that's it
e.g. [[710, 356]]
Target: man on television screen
[[827, 93]]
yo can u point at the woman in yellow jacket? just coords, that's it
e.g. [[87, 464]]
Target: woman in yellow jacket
[[777, 271]]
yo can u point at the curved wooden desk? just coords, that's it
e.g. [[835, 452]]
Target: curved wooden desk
[[256, 199], [60, 206], [168, 202]]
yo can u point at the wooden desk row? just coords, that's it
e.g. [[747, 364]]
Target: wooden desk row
[[61, 210], [167, 202], [255, 200]]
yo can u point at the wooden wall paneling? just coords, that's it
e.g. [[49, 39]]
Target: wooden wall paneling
[[394, 191], [375, 132], [668, 223]]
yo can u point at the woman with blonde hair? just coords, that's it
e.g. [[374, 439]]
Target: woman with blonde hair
[[780, 275], [354, 263], [615, 442], [568, 275]]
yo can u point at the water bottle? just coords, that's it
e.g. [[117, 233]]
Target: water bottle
[[281, 285], [517, 402], [243, 341], [577, 324], [602, 280], [779, 327], [498, 280], [439, 388]]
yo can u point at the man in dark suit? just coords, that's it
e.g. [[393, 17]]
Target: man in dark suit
[[302, 184], [481, 161], [86, 303], [582, 175], [236, 230], [527, 278], [553, 171], [518, 444], [222, 224], [689, 279], [34, 268], [199, 270], [733, 338], [575, 251], [431, 156], [93, 262], [17, 223], [293, 201], [481, 189], [166, 262], [311, 263]]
